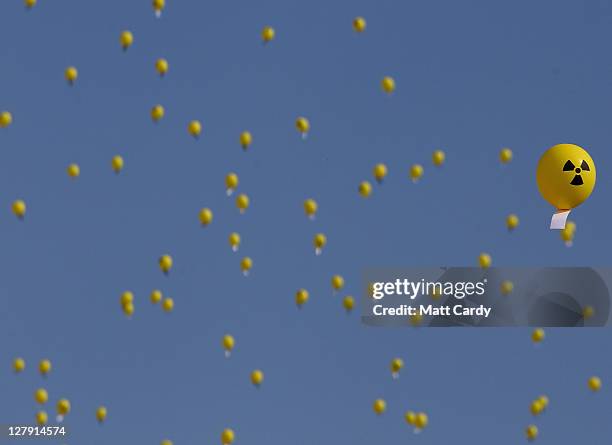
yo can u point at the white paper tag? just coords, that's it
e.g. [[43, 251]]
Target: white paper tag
[[558, 219]]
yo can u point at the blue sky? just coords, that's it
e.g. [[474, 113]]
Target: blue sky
[[472, 77]]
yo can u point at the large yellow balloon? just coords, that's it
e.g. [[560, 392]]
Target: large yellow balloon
[[566, 176]]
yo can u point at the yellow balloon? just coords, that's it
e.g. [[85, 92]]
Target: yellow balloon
[[303, 126], [257, 377], [438, 157], [242, 202], [544, 401], [379, 406], [165, 263], [484, 260], [410, 418], [536, 407], [71, 74], [349, 303], [234, 240], [168, 304], [127, 297], [310, 208], [337, 282], [365, 189], [505, 155], [388, 84], [246, 264], [416, 319], [231, 183], [246, 139], [566, 176], [156, 296], [158, 7], [227, 437], [228, 343], [206, 216], [44, 367], [421, 420], [41, 396], [512, 221], [166, 442], [126, 39], [380, 172], [396, 366], [19, 208], [73, 170], [359, 24], [117, 163], [157, 113], [19, 365], [267, 34], [416, 172], [538, 335], [101, 413], [594, 384], [567, 235], [63, 407], [195, 129], [531, 432], [41, 418], [29, 4], [301, 297], [6, 119], [319, 241], [128, 308], [507, 287], [588, 312], [162, 67]]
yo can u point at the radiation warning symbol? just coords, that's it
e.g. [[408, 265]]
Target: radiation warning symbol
[[569, 166]]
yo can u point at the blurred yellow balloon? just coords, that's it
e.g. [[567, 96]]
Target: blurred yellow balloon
[[71, 74], [379, 406], [301, 297], [536, 407], [268, 34], [365, 189], [246, 264], [166, 442], [348, 303], [438, 157], [206, 216], [310, 208], [544, 401], [416, 172], [231, 183], [19, 365], [421, 420], [359, 24], [117, 163], [158, 7], [484, 260], [44, 367], [19, 208], [165, 263], [319, 241], [157, 113], [396, 366], [410, 418], [128, 308], [6, 119], [73, 170], [195, 129], [41, 418], [257, 377], [63, 407], [227, 437], [512, 221], [126, 39], [162, 67], [41, 396], [416, 319], [594, 383], [29, 4], [588, 312], [101, 413], [567, 234], [507, 287], [505, 155], [228, 343], [156, 296], [531, 432], [127, 297], [168, 304], [303, 126], [388, 84], [234, 240], [246, 139], [380, 172], [538, 335], [337, 283], [242, 202]]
